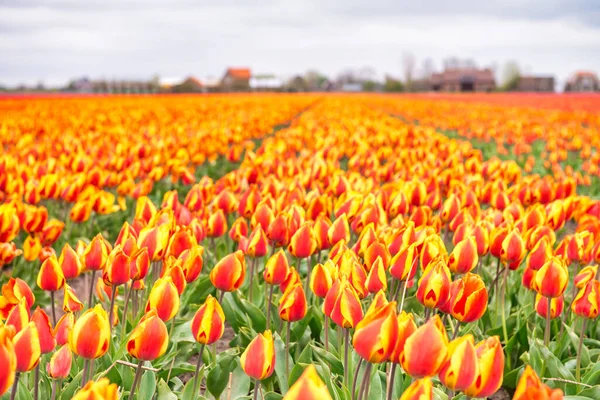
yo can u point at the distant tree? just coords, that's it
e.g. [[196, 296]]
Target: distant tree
[[511, 75], [392, 85], [408, 68], [369, 86], [314, 79]]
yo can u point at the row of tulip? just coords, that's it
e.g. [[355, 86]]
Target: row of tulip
[[326, 211]]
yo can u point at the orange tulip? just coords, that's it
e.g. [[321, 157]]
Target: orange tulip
[[208, 323], [229, 273], [403, 266], [303, 243], [117, 268], [426, 350], [139, 264], [63, 327], [308, 387], [173, 270], [539, 255], [278, 231], [530, 387], [376, 334], [70, 301], [32, 246], [90, 336], [513, 247], [460, 369], [541, 306], [18, 317], [342, 304], [95, 255], [322, 277], [257, 243], [50, 277], [432, 249], [70, 262], [100, 390], [179, 242], [291, 279], [552, 279], [468, 301], [464, 257], [217, 224], [8, 252], [587, 301], [585, 275], [434, 286], [339, 230], [51, 232], [13, 292], [164, 297], [491, 368], [406, 327], [276, 268], [258, 360], [27, 348], [292, 305], [376, 279], [421, 389], [192, 263], [239, 229], [59, 366], [155, 239], [149, 339], [8, 359], [45, 331]]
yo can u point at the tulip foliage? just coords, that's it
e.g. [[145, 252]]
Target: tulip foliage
[[199, 247]]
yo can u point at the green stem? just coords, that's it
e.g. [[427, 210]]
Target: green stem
[[13, 392], [287, 349], [365, 382], [252, 261], [346, 351], [84, 374], [91, 295], [269, 299], [36, 382], [503, 303], [391, 383], [256, 389], [125, 307], [136, 379], [578, 368], [326, 324], [113, 294], [355, 380], [198, 365], [53, 308], [548, 312]]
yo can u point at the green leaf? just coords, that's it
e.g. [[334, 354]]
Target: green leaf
[[257, 318], [280, 356], [336, 365], [22, 391], [70, 389], [188, 391], [164, 392], [147, 386], [273, 396], [240, 383], [302, 361]]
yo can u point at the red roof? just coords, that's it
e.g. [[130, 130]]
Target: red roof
[[457, 75], [239, 73]]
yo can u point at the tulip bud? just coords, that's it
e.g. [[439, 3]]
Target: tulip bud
[[291, 279], [51, 232], [278, 232], [469, 302], [433, 247], [539, 255], [192, 263], [45, 331], [460, 369], [320, 229], [149, 339], [541, 306], [308, 387], [96, 253], [531, 387], [426, 350], [276, 268], [421, 389], [491, 368], [403, 266], [63, 327], [587, 301], [164, 297], [434, 285], [322, 277], [239, 229], [339, 230], [59, 366], [8, 359], [464, 257], [117, 268], [27, 348], [292, 305], [217, 224], [13, 292], [155, 239], [172, 269], [585, 275], [70, 301], [18, 317], [70, 262], [263, 215], [101, 390], [406, 327], [257, 243], [376, 334], [342, 304], [229, 273], [258, 360], [208, 322], [51, 277], [552, 279], [376, 279], [32, 246], [179, 242], [303, 243], [513, 247], [90, 336]]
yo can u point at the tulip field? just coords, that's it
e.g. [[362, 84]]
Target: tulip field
[[300, 246]]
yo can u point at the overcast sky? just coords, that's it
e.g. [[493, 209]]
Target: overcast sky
[[56, 40]]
